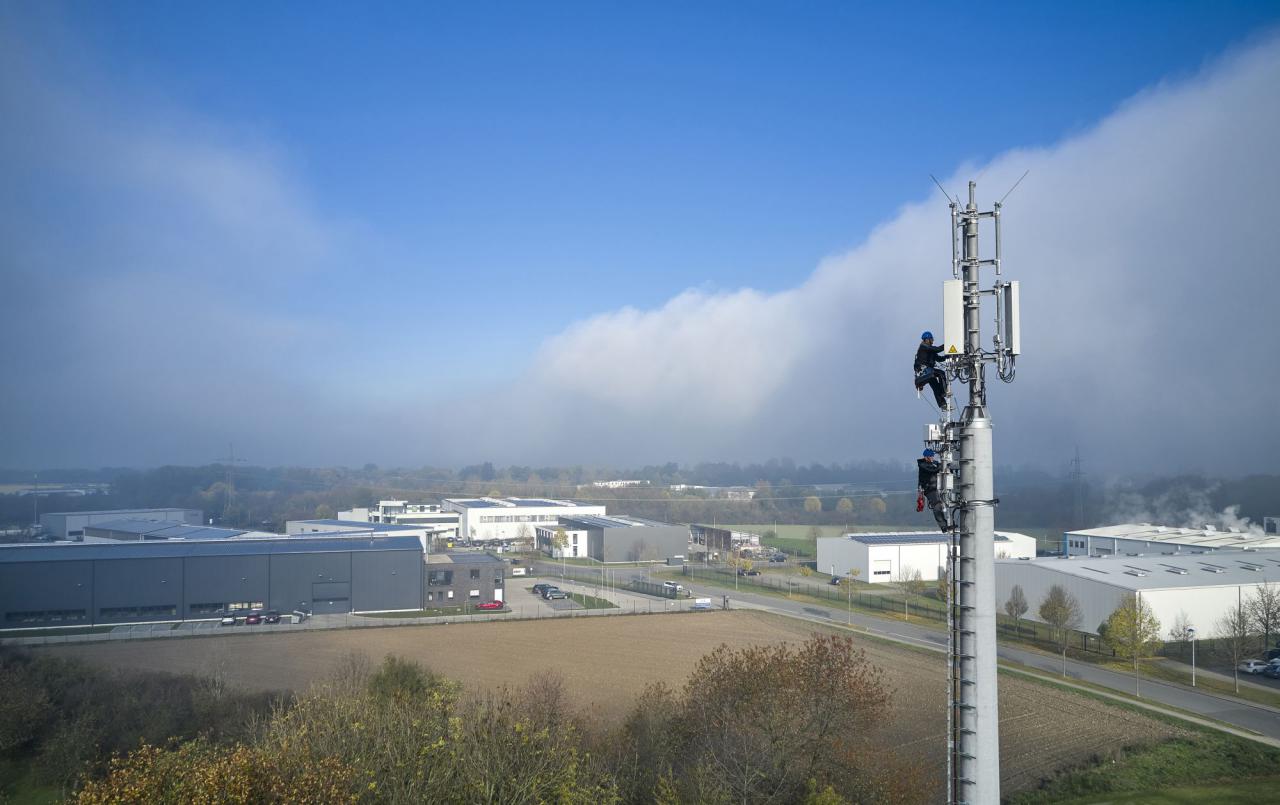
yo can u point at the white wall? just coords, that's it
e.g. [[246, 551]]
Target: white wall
[[1204, 605], [472, 521]]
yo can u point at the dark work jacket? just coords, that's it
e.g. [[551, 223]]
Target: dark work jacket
[[927, 357], [927, 478]]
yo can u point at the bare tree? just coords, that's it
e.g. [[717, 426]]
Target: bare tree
[[1016, 607], [911, 582], [1233, 635], [1061, 610], [1263, 607], [1181, 631]]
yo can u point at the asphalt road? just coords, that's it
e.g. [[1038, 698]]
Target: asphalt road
[[1254, 718]]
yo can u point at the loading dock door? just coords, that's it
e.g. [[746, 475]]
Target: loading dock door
[[330, 597]]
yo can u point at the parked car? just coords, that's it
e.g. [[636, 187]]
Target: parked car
[[778, 557], [253, 619], [1272, 672], [271, 617], [541, 587], [835, 580], [554, 593], [671, 585], [490, 605], [228, 620], [744, 572], [1252, 666]]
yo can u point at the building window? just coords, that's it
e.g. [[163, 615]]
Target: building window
[[208, 609], [159, 611], [439, 578], [474, 594], [46, 616], [497, 582], [475, 572], [450, 595]]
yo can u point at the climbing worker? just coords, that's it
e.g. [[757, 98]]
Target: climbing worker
[[927, 372], [927, 481]]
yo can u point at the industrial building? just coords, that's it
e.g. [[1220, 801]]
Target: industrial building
[[894, 556], [507, 519], [298, 528], [71, 525], [614, 538], [459, 578], [442, 524], [1147, 538], [64, 584], [139, 530], [1204, 587], [722, 541]]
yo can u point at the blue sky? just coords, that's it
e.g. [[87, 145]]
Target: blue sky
[[468, 181]]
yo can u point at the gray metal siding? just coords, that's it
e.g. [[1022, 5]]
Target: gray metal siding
[[137, 583], [386, 580], [225, 580], [45, 586], [635, 544], [293, 577]]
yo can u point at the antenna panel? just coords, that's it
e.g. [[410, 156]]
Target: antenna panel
[[953, 317], [1012, 335]]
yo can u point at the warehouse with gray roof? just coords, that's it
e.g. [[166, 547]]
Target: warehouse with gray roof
[[63, 584]]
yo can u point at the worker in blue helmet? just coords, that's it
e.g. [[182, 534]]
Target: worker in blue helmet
[[927, 481], [926, 368]]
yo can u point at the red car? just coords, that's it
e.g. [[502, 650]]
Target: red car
[[490, 605], [253, 619]]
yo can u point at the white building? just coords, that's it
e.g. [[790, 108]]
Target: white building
[[440, 523], [505, 519], [618, 484], [1147, 538], [893, 556], [1203, 586]]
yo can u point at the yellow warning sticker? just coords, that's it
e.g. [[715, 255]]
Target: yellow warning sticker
[[952, 351]]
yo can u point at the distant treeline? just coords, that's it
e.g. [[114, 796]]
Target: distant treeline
[[867, 493]]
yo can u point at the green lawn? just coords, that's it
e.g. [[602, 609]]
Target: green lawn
[[1247, 793], [1207, 767], [592, 602], [18, 784]]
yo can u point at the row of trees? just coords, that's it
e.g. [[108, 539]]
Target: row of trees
[[1133, 631]]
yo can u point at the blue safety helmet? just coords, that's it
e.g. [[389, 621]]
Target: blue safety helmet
[[926, 334], [929, 454]]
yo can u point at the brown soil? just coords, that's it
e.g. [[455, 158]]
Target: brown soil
[[606, 662]]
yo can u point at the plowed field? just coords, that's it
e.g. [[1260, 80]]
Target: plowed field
[[607, 661]]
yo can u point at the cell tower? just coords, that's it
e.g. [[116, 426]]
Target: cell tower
[[967, 486]]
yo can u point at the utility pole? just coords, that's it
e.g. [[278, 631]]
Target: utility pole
[[967, 485], [229, 499], [1077, 489]]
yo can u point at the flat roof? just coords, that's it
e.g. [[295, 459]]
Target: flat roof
[[510, 503], [165, 529], [906, 537], [1206, 537], [163, 549], [615, 521], [355, 525], [462, 558], [1158, 571], [116, 511]]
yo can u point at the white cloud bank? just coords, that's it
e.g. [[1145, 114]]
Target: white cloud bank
[[1146, 251]]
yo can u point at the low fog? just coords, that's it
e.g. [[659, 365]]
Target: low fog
[[148, 268]]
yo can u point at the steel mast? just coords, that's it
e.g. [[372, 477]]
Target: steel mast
[[968, 487]]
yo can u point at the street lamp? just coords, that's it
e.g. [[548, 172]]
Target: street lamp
[[1191, 632]]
